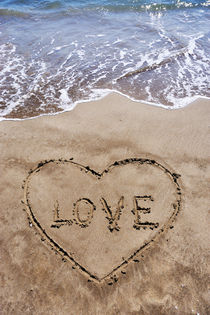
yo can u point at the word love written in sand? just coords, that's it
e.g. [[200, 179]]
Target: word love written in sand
[[140, 199], [86, 206]]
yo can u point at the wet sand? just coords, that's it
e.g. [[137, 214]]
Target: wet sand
[[105, 210]]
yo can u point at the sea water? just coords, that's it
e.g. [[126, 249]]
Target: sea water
[[54, 54]]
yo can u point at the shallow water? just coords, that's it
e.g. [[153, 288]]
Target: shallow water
[[56, 53]]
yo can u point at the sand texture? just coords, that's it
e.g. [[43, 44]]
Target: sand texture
[[105, 210]]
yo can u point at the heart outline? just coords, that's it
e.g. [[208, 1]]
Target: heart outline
[[66, 256]]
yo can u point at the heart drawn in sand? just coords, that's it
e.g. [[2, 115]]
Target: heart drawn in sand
[[101, 222]]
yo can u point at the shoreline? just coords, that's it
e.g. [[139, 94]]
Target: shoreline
[[108, 92]]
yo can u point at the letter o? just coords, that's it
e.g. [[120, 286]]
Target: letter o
[[90, 207]]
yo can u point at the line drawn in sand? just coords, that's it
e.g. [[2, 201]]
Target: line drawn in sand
[[112, 218]]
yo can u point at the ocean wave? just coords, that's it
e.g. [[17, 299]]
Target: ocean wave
[[16, 13], [169, 76], [146, 6], [21, 8], [48, 65]]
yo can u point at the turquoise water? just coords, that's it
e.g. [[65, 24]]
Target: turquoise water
[[56, 53]]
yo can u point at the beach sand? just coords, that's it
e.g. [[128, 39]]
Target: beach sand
[[105, 210]]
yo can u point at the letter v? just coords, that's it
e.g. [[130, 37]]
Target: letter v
[[113, 225]]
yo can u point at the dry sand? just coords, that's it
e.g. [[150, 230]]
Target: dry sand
[[114, 212]]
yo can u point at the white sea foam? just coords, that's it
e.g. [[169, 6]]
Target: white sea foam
[[66, 102], [17, 70], [150, 57], [55, 49]]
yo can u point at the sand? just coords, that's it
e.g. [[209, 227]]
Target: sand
[[105, 210]]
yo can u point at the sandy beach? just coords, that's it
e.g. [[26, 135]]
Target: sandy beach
[[105, 210]]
